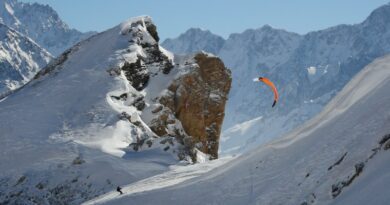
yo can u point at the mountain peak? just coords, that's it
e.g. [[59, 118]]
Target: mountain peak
[[266, 27], [41, 23], [197, 30], [380, 15], [194, 40], [20, 59]]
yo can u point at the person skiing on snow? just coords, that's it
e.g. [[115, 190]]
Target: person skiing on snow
[[119, 189]]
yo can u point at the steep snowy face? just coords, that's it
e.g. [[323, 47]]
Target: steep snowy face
[[83, 125], [195, 40], [40, 23], [20, 59], [308, 71], [339, 157]]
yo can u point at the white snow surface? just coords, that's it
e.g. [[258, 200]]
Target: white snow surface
[[175, 176], [302, 166]]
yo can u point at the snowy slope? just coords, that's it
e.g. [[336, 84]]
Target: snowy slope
[[20, 59], [308, 71], [339, 157], [65, 136], [41, 23]]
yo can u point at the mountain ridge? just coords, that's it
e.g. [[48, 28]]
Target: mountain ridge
[[21, 58], [41, 23]]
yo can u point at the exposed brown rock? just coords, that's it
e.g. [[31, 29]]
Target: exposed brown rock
[[197, 100], [191, 112], [159, 125]]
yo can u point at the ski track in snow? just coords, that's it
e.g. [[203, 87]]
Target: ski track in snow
[[177, 175]]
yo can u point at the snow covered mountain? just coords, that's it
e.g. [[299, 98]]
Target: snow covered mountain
[[308, 71], [339, 157], [20, 59], [41, 23], [111, 110], [193, 40]]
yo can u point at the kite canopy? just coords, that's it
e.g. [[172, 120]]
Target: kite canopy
[[272, 86]]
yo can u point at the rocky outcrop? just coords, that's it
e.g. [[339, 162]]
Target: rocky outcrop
[[137, 73], [197, 99], [183, 105]]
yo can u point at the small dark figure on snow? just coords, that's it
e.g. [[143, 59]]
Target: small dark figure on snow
[[119, 189]]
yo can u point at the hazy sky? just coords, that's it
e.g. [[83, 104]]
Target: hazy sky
[[222, 17]]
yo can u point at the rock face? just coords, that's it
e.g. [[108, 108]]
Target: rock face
[[198, 99], [183, 105]]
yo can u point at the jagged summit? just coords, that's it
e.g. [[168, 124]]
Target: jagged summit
[[39, 34], [20, 59], [195, 40], [41, 23]]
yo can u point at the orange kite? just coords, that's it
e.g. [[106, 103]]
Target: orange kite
[[272, 86]]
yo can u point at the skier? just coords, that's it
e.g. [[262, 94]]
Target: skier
[[119, 189]]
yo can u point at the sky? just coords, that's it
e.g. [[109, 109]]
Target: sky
[[221, 17]]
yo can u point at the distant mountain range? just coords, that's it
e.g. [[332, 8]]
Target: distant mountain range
[[308, 71], [41, 23], [195, 39], [30, 35], [20, 59]]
